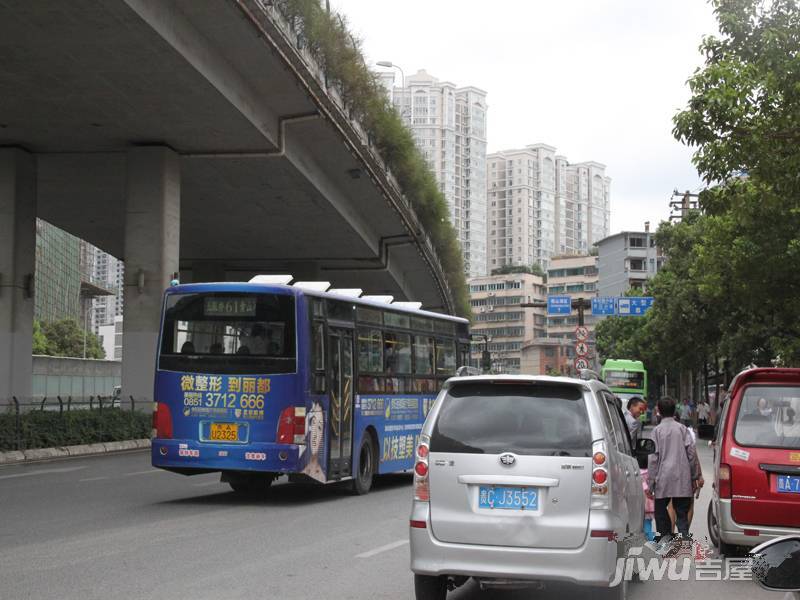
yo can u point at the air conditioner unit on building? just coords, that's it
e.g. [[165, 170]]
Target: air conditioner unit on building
[[491, 309], [483, 309], [491, 294]]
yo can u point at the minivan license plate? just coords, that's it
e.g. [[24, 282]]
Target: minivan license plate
[[789, 484], [512, 497]]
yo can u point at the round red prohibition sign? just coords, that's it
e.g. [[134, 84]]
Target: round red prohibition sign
[[581, 363]]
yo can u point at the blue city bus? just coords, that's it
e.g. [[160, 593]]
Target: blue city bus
[[261, 379]]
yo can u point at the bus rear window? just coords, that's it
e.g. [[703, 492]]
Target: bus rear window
[[226, 332], [491, 418]]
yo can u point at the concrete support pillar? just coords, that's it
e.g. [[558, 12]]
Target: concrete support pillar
[[17, 264], [152, 235]]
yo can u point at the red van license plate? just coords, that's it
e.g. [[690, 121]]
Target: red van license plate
[[789, 484]]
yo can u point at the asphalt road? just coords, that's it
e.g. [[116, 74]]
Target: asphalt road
[[113, 527]]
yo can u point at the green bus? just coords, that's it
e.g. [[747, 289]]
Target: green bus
[[626, 378]]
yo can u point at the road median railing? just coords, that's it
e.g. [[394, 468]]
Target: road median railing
[[59, 421]]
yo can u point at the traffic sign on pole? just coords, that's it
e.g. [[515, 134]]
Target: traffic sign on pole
[[581, 333], [581, 349], [559, 305], [581, 363], [606, 305]]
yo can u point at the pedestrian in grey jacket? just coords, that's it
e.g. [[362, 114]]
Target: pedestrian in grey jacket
[[672, 470]]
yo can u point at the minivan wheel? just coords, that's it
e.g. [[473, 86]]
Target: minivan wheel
[[620, 592], [367, 456], [714, 534], [430, 587]]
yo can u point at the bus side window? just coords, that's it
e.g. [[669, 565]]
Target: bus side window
[[318, 357]]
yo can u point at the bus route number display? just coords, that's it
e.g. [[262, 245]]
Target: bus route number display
[[229, 307]]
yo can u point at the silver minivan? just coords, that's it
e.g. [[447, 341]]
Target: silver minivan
[[520, 480]]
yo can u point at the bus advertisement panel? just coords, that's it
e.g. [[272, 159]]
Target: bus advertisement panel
[[257, 380]]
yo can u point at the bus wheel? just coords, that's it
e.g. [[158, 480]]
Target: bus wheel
[[249, 485], [362, 482]]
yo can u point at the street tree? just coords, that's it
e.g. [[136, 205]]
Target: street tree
[[67, 338], [743, 119]]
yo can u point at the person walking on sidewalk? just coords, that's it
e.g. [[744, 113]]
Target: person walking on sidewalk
[[672, 470]]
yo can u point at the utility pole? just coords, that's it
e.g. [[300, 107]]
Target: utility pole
[[684, 204]]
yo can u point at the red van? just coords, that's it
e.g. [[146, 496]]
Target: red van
[[757, 460]]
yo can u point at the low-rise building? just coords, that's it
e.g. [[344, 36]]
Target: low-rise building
[[547, 356], [499, 316], [626, 260]]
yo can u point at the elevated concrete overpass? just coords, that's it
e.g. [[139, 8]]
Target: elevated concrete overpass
[[192, 137]]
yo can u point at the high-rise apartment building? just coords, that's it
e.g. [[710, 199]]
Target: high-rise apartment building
[[449, 126], [508, 327], [540, 206], [108, 271]]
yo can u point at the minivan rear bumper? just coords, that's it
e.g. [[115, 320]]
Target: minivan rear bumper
[[732, 532], [593, 563]]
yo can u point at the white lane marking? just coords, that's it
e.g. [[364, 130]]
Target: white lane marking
[[381, 549], [92, 479], [148, 472], [42, 472]]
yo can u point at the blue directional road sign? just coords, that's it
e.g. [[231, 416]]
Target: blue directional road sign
[[606, 305], [559, 305], [633, 306]]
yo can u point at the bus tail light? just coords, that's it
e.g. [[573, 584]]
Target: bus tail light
[[422, 489], [162, 421], [599, 480], [724, 481], [292, 425]]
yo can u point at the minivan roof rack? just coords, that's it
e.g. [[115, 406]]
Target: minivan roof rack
[[588, 374]]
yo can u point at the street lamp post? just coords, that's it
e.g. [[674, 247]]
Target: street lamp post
[[390, 65]]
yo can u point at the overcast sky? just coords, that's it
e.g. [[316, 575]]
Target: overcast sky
[[598, 79]]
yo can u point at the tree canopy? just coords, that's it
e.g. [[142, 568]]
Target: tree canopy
[[65, 338], [730, 287], [743, 118]]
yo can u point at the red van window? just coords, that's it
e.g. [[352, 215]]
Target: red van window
[[769, 417]]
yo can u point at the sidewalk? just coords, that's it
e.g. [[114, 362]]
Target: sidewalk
[[39, 454]]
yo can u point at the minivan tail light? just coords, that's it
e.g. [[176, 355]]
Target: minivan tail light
[[292, 425], [725, 482], [599, 480], [422, 488], [162, 421]]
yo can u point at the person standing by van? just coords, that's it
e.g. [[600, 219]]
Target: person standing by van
[[636, 406], [672, 470]]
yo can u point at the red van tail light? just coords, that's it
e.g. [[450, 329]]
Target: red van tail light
[[724, 479], [162, 421], [599, 480], [422, 488], [292, 426]]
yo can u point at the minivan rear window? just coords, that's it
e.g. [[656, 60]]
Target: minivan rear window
[[769, 416], [530, 419]]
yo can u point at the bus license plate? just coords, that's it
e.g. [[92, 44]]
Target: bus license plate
[[789, 484], [515, 498], [224, 432]]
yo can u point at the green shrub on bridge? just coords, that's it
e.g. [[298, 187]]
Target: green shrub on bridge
[[340, 55], [48, 429]]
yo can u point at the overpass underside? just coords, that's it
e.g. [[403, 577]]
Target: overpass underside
[[189, 137]]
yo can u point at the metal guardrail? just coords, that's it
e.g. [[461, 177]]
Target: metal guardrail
[[63, 411]]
